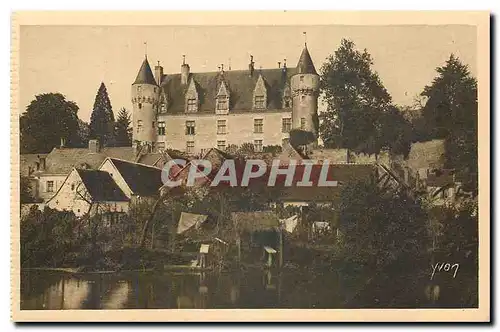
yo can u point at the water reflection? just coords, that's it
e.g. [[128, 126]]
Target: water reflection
[[248, 289]]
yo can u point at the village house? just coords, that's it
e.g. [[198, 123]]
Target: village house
[[47, 172]]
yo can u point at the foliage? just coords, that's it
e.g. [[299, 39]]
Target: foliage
[[356, 101], [299, 138], [26, 195], [48, 118], [102, 119], [123, 131], [381, 227], [273, 149], [47, 237], [451, 113], [83, 134]]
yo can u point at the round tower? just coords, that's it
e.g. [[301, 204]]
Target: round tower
[[305, 92], [145, 95]]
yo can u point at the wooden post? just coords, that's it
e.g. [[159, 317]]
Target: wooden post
[[281, 247]]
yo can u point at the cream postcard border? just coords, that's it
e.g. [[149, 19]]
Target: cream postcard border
[[480, 19]]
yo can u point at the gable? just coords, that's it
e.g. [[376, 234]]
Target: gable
[[109, 167]]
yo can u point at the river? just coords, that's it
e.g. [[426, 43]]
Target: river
[[249, 289]]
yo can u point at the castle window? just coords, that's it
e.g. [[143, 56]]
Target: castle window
[[139, 88], [302, 123], [222, 103], [260, 102], [50, 186], [153, 125], [192, 105], [140, 105], [161, 128], [302, 78], [139, 126], [163, 107], [286, 125], [190, 128], [72, 187], [285, 141], [286, 103], [258, 125], [302, 98], [190, 146], [257, 145], [221, 127], [221, 145]]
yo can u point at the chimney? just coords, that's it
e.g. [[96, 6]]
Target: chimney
[[158, 73], [184, 71], [251, 65], [283, 71], [94, 146], [279, 64], [63, 142], [41, 164], [222, 68]]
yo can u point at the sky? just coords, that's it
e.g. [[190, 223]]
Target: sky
[[74, 60]]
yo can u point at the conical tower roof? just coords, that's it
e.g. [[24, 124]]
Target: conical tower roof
[[145, 75], [305, 64]]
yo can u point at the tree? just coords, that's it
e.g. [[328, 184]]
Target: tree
[[450, 113], [48, 118], [123, 132], [355, 100], [102, 120], [25, 190], [382, 227], [82, 134]]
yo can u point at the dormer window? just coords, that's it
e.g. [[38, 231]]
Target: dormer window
[[260, 94], [222, 103], [192, 105], [163, 107], [222, 100], [191, 97], [260, 102], [287, 97]]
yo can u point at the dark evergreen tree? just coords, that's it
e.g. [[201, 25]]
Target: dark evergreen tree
[[123, 132], [102, 120], [48, 118], [450, 113], [356, 100]]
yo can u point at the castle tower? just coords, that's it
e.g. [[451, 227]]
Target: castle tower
[[145, 103], [305, 92]]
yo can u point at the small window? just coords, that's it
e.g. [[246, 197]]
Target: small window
[[140, 106], [285, 141], [139, 88], [286, 125], [260, 102], [221, 127], [287, 103], [192, 105], [221, 145], [257, 144], [72, 187], [153, 125], [190, 130], [302, 78], [190, 147], [222, 103], [50, 186], [155, 90], [163, 107], [161, 128], [258, 126], [139, 126], [302, 98], [302, 123]]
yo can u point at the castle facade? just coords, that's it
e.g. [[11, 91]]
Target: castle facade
[[194, 112]]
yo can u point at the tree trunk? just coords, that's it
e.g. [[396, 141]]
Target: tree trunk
[[148, 221]]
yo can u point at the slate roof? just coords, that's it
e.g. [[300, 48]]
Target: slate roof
[[240, 84], [145, 74], [143, 180], [305, 64], [62, 160], [101, 186]]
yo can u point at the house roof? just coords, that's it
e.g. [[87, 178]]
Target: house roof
[[145, 74], [305, 64], [255, 221], [240, 84], [101, 186], [143, 180], [62, 160], [440, 178]]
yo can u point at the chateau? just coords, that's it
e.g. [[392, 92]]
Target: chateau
[[194, 112]]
